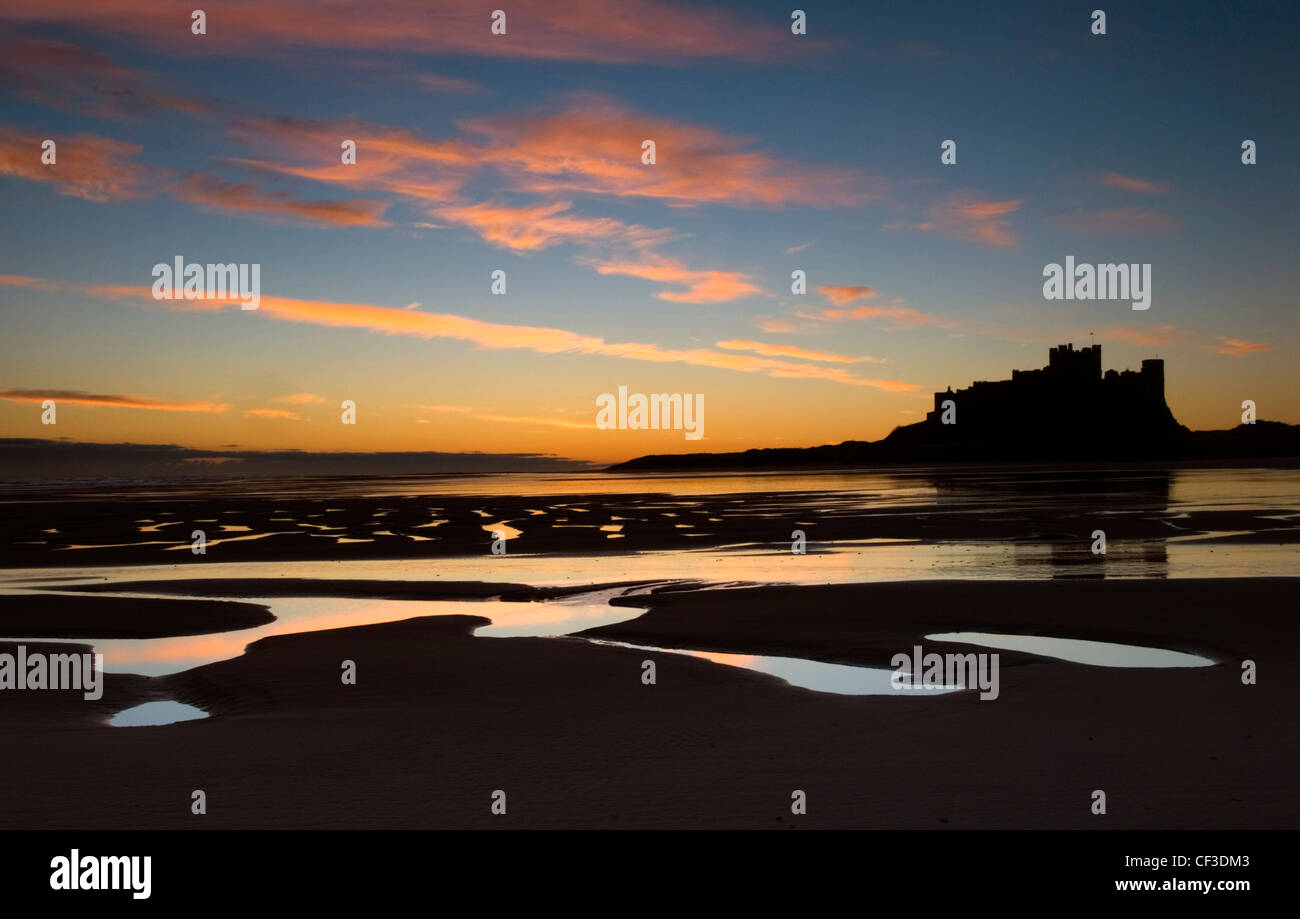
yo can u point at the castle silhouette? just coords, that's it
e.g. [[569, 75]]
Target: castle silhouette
[[1069, 398], [1068, 411]]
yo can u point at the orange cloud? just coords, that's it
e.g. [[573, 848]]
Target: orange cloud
[[86, 166], [803, 354], [532, 228], [275, 413], [963, 216], [841, 295], [1128, 183], [98, 169], [392, 160], [1157, 335], [78, 397], [627, 32], [550, 422], [394, 321], [899, 315], [590, 146], [701, 286], [594, 147], [214, 194], [1236, 347], [777, 325], [77, 78]]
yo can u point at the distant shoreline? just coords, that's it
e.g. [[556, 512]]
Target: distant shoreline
[[1270, 444]]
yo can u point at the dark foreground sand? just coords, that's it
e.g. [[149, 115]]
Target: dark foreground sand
[[439, 719], [58, 616]]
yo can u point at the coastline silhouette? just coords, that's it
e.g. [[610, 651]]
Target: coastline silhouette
[[1068, 411]]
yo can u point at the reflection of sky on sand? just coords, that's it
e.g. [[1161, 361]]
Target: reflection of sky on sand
[[842, 679], [1077, 650], [156, 656], [151, 714], [844, 562]]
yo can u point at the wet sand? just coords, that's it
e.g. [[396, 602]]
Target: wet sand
[[62, 616], [90, 532], [345, 588], [439, 719]]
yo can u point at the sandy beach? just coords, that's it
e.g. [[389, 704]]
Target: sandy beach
[[439, 719], [68, 528]]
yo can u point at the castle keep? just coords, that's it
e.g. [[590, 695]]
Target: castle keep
[[1070, 395]]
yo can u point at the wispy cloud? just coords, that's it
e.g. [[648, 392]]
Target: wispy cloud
[[300, 398], [100, 169], [842, 295], [702, 286], [395, 321], [1237, 347], [89, 167], [630, 31], [442, 84], [1130, 183], [900, 316], [548, 422], [967, 217], [1155, 335], [803, 354], [214, 194], [78, 78], [593, 146], [80, 397], [279, 414], [545, 225]]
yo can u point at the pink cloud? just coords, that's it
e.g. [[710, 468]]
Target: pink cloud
[[214, 194], [544, 225], [1156, 335], [1237, 347], [1129, 183], [86, 166], [395, 321], [841, 295], [627, 32], [705, 286]]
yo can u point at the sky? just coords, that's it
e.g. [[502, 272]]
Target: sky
[[523, 153]]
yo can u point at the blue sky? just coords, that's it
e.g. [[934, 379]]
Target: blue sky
[[1122, 147]]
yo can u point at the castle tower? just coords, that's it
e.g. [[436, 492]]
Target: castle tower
[[1153, 377], [1083, 365]]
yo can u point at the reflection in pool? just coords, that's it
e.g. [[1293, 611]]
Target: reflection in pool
[[842, 679], [1079, 651], [153, 714]]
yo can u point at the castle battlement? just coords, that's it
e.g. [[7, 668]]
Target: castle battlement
[[1071, 394]]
